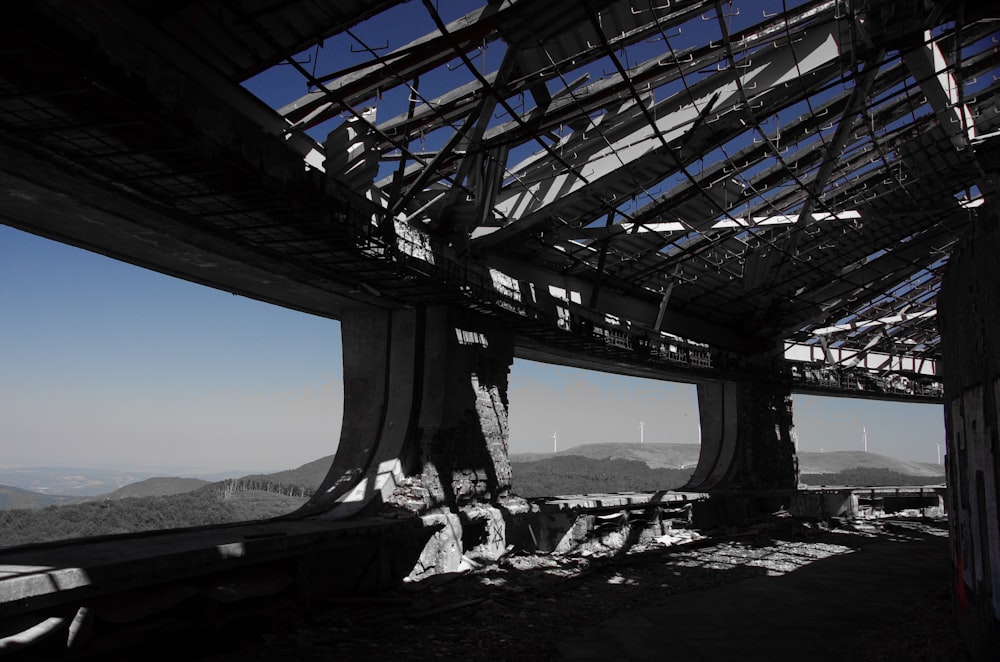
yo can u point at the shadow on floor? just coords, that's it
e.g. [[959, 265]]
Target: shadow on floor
[[793, 593]]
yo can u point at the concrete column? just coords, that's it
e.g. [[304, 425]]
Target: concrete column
[[746, 439], [969, 322], [425, 395], [462, 427]]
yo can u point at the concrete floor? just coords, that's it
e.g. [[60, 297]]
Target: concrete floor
[[821, 611]]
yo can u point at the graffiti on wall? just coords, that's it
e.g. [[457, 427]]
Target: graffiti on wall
[[973, 472]]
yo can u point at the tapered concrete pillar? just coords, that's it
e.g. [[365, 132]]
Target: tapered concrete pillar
[[969, 322], [425, 395], [746, 441], [462, 427]]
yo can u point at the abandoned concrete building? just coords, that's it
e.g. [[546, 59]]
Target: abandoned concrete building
[[759, 198]]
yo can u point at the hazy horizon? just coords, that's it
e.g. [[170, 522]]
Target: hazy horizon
[[110, 365], [214, 474]]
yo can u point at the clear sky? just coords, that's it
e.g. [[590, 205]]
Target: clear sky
[[108, 365]]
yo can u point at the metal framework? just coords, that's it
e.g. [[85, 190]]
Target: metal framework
[[668, 185]]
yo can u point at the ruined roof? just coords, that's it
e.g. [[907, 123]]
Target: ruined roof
[[786, 171], [755, 176]]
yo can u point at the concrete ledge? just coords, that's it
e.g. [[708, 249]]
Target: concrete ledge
[[567, 524], [825, 501], [42, 576]]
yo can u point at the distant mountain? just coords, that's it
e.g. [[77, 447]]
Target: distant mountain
[[36, 487], [69, 481], [869, 476], [160, 486], [574, 474], [308, 475], [685, 456], [837, 461], [656, 456], [42, 486], [216, 476], [153, 503], [15, 497]]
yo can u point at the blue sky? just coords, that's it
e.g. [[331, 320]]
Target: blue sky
[[109, 365]]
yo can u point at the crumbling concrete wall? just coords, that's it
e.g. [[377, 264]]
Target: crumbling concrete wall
[[462, 427], [969, 321], [767, 451]]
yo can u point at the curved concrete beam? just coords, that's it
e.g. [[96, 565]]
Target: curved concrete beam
[[382, 357], [745, 438], [425, 394], [717, 410]]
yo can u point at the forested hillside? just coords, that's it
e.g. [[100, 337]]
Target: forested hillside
[[656, 456], [236, 500], [833, 462], [264, 496], [869, 477], [309, 475], [156, 487], [572, 474], [685, 456]]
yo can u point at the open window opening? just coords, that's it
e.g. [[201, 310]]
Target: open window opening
[[133, 401], [575, 431]]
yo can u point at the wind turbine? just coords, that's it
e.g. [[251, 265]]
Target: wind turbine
[[864, 432], [555, 442], [642, 432]]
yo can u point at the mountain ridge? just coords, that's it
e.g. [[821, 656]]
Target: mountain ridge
[[17, 497], [311, 474], [69, 481], [685, 456], [156, 486]]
